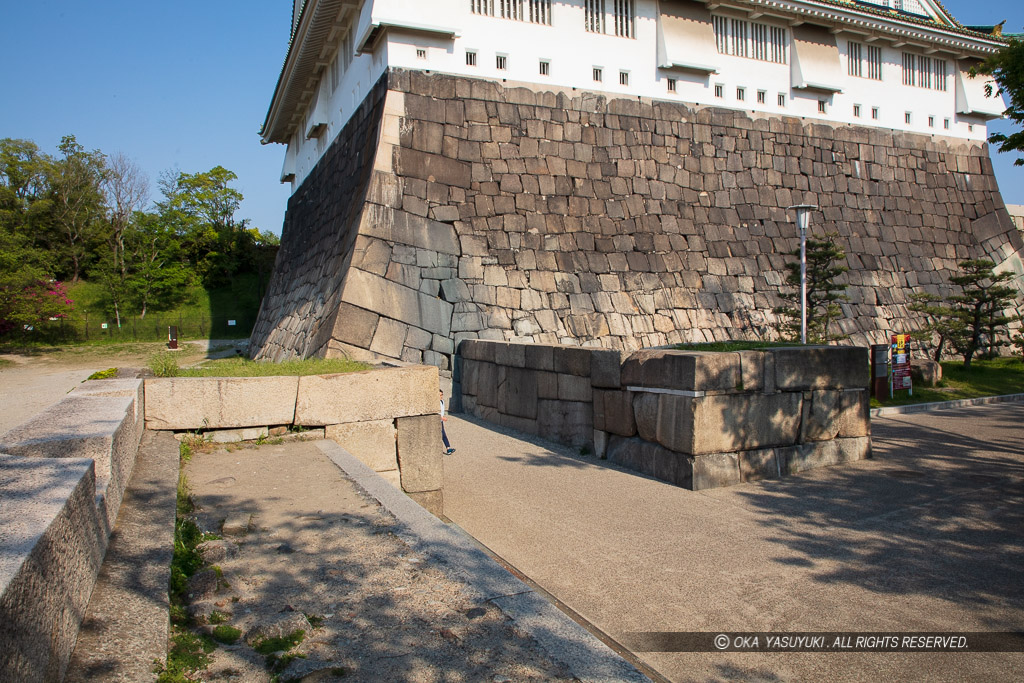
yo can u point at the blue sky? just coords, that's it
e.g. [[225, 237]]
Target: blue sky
[[186, 85]]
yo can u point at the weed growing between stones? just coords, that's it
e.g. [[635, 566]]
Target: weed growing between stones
[[188, 652], [226, 633], [164, 364], [109, 373], [276, 650]]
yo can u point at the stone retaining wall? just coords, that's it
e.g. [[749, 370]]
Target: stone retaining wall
[[453, 208], [387, 418], [62, 477], [698, 420]]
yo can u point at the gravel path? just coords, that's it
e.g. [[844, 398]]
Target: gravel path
[[314, 553]]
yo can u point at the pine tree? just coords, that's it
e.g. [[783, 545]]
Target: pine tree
[[823, 292]]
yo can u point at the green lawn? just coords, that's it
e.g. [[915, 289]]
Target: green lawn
[[995, 377], [733, 346], [243, 367], [227, 312]]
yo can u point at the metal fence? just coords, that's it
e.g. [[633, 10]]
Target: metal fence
[[91, 328]]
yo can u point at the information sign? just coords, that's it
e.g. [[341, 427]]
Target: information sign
[[899, 379]]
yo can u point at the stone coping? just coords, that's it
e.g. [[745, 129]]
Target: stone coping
[[63, 474], [946, 405]]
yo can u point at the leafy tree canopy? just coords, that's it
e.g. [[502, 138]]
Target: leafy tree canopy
[[1007, 68]]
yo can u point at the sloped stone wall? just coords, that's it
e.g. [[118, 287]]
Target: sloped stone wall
[[504, 213]]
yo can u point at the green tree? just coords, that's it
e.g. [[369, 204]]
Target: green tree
[[823, 292], [980, 307], [160, 278], [201, 208], [127, 190], [940, 320], [1007, 68], [78, 205]]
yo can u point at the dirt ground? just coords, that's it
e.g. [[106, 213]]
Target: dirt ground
[[306, 550], [33, 381]]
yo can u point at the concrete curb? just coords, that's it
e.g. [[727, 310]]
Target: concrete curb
[[566, 641], [946, 405]]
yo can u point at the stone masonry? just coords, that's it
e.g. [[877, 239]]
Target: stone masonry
[[694, 419], [451, 208]]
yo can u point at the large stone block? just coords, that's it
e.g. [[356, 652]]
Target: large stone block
[[854, 413], [714, 470], [613, 412], [375, 293], [821, 367], [354, 325], [573, 388], [365, 396], [825, 453], [433, 168], [103, 428], [419, 453], [568, 422], [51, 549], [651, 459], [220, 402], [519, 390], [606, 368], [728, 423], [373, 442], [684, 370], [571, 360]]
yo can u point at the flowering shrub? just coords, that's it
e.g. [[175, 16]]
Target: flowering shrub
[[23, 305]]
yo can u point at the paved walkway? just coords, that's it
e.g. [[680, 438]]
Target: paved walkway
[[928, 536]]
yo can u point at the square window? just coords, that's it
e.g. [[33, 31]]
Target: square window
[[421, 53], [501, 62], [761, 96], [874, 112], [671, 85], [545, 67], [782, 99], [741, 93], [945, 124], [907, 117], [623, 78], [598, 74], [470, 58], [822, 107], [719, 90], [856, 110]]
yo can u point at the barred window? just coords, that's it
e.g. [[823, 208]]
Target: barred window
[[854, 67], [743, 38], [940, 74], [470, 58], [909, 69], [544, 67], [671, 85], [761, 96], [924, 71], [482, 7], [598, 74], [874, 63], [623, 78], [533, 11], [624, 18], [593, 19], [501, 62]]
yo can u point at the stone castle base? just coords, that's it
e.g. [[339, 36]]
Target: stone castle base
[[451, 208]]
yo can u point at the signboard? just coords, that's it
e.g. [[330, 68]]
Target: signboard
[[899, 379], [231, 323]]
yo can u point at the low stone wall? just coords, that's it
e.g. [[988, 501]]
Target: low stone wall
[[62, 477], [387, 418], [695, 419]]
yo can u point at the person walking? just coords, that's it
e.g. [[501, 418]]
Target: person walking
[[444, 437]]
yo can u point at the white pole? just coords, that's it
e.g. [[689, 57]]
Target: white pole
[[803, 283], [803, 215]]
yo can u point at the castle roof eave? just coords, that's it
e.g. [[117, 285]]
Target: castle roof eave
[[316, 22]]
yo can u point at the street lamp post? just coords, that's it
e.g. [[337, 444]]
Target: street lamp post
[[803, 218]]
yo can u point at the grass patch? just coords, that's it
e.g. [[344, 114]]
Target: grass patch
[[189, 652], [987, 377], [270, 647], [226, 633], [109, 373], [164, 364], [243, 367], [5, 363], [733, 346]]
